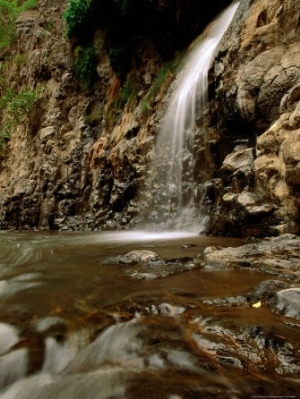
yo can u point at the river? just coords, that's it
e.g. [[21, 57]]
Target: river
[[74, 323]]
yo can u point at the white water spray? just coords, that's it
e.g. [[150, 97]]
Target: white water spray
[[178, 198]]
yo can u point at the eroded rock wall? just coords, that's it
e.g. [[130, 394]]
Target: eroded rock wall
[[253, 126]]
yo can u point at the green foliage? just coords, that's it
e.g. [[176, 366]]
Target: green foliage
[[21, 105], [119, 59], [76, 18], [9, 11], [6, 98], [48, 26], [20, 59], [145, 108], [28, 5], [167, 69], [83, 17], [16, 109], [85, 66]]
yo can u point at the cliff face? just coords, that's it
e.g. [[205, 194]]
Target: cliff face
[[81, 159], [253, 128]]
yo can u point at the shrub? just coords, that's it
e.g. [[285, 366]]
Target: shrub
[[18, 107], [85, 66], [21, 106], [28, 4], [76, 18], [9, 11]]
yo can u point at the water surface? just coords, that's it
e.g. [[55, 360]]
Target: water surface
[[73, 324]]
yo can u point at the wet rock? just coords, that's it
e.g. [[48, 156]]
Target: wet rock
[[288, 302], [138, 256], [266, 290], [147, 265], [278, 256]]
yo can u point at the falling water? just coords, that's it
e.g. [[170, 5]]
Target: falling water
[[178, 203]]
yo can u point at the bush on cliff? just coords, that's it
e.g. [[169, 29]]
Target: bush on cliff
[[9, 11], [76, 17], [85, 66], [16, 108]]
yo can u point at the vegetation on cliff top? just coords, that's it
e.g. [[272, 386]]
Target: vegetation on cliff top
[[9, 11], [15, 107], [127, 24]]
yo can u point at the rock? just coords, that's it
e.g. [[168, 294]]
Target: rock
[[46, 133], [266, 290], [138, 256], [255, 102], [278, 256], [240, 159], [288, 302]]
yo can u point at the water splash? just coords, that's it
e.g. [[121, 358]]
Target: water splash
[[178, 201]]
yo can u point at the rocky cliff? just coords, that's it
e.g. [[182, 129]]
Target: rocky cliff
[[253, 126], [80, 159]]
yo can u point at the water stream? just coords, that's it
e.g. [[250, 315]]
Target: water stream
[[178, 203], [74, 324]]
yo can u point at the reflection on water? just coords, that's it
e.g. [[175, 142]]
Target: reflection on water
[[74, 325]]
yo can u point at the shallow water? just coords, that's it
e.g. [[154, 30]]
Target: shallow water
[[73, 324]]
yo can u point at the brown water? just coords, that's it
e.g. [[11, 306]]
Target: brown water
[[73, 324]]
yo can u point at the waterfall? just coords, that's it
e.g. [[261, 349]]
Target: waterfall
[[176, 198]]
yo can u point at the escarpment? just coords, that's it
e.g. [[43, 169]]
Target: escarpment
[[80, 158], [252, 127]]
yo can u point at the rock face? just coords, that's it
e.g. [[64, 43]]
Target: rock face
[[254, 122], [82, 158]]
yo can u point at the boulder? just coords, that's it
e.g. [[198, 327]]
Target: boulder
[[288, 302]]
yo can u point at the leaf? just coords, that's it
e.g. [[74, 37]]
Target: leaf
[[257, 305]]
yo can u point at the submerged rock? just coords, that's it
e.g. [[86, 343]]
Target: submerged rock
[[147, 265], [138, 256]]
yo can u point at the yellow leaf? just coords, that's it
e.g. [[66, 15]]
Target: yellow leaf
[[257, 305]]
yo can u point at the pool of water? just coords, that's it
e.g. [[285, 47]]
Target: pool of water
[[73, 324]]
